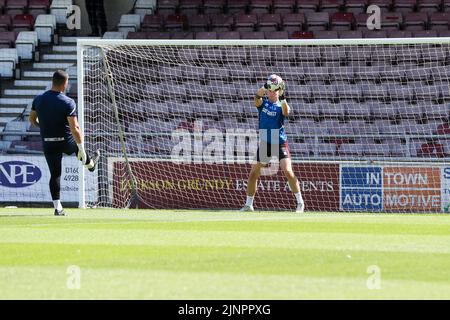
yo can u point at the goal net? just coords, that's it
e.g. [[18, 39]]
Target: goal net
[[176, 124]]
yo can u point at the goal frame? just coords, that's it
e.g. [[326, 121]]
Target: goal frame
[[86, 42]]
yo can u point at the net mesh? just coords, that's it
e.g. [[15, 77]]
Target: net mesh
[[189, 124]]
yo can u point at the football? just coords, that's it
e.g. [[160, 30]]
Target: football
[[273, 82]]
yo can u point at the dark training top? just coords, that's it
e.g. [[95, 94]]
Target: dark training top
[[52, 109]]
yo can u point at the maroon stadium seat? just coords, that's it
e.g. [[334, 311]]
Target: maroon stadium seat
[[328, 34], [229, 35], [429, 6], [415, 21], [317, 20], [385, 5], [152, 22], [37, 7], [200, 22], [293, 21], [374, 34], [342, 20], [260, 6], [283, 6], [237, 6], [361, 20], [182, 35], [308, 5], [157, 35], [204, 35], [39, 4], [444, 33], [190, 7], [23, 22], [5, 22], [331, 6], [405, 6], [391, 20], [356, 6], [2, 4], [276, 34], [446, 5], [424, 33], [222, 22], [167, 7], [353, 34], [7, 39], [439, 20], [213, 6], [246, 22], [175, 22], [399, 34], [16, 7], [269, 21], [302, 35], [252, 34]]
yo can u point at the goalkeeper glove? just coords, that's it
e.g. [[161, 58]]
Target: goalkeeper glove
[[81, 154], [282, 98]]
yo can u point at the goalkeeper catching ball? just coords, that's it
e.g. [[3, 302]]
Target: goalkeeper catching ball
[[272, 109]]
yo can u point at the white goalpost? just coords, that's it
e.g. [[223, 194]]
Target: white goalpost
[[177, 127]]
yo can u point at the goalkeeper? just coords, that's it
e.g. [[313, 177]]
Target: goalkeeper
[[56, 116], [272, 110]]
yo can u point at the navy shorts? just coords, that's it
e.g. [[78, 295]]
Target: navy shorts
[[283, 152]]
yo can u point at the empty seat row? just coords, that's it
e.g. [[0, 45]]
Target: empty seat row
[[303, 128], [45, 27], [215, 65], [283, 6], [158, 146], [276, 34], [309, 21], [19, 7], [20, 22]]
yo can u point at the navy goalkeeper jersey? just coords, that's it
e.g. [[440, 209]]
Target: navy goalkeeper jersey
[[52, 109], [271, 117]]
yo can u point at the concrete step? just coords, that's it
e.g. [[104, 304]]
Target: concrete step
[[15, 101], [22, 92], [72, 40], [60, 57], [38, 74], [5, 120], [64, 49], [11, 112], [32, 83], [52, 66]]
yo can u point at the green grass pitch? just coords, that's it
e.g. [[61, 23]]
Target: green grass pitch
[[194, 254]]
